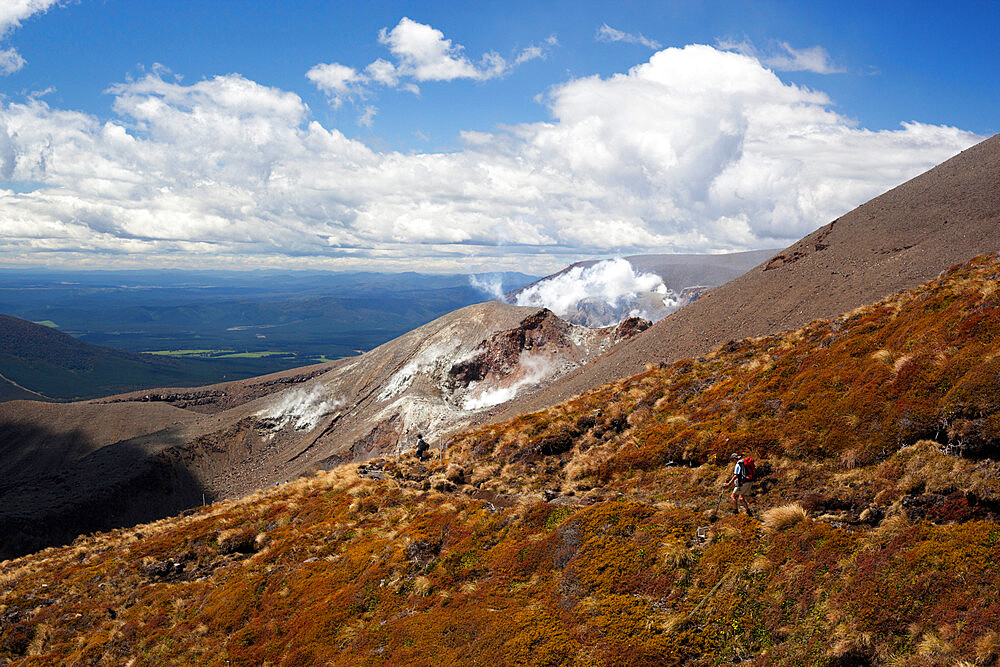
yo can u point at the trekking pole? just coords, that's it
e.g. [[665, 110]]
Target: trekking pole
[[715, 512]]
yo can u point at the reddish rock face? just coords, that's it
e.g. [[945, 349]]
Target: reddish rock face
[[500, 353], [544, 336]]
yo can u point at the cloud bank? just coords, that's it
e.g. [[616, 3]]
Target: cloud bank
[[713, 152]]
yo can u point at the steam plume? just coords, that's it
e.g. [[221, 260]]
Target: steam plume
[[601, 295]]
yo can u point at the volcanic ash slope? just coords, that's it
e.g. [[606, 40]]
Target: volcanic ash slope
[[432, 380], [73, 468]]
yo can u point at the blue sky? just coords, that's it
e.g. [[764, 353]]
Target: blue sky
[[442, 180]]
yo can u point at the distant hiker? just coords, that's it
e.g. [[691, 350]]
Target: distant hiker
[[742, 479], [422, 447]]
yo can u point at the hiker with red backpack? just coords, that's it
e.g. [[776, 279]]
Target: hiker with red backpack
[[744, 473]]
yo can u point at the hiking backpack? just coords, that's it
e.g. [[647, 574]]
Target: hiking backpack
[[749, 469]]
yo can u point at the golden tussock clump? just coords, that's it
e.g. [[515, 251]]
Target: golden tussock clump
[[890, 527], [760, 565], [850, 644], [932, 645], [675, 554], [883, 356], [422, 587], [988, 648], [783, 517]]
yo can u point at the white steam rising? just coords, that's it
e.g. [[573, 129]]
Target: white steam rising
[[490, 284], [610, 290], [301, 408], [436, 355], [538, 368]]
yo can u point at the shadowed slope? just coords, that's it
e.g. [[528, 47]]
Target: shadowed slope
[[894, 242]]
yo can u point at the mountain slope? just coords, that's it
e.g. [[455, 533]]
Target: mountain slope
[[877, 545], [895, 241], [73, 468]]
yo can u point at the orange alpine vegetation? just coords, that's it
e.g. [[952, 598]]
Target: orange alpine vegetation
[[579, 534]]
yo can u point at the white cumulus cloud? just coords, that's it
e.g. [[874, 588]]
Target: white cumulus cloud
[[10, 61], [336, 80], [383, 72], [424, 53], [713, 152], [12, 12], [421, 53]]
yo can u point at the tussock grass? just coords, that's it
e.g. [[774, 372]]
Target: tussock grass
[[891, 527], [675, 554], [988, 648], [784, 517], [932, 645], [883, 356], [422, 587], [760, 565]]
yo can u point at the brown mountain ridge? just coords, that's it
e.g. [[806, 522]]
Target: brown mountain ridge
[[894, 242]]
